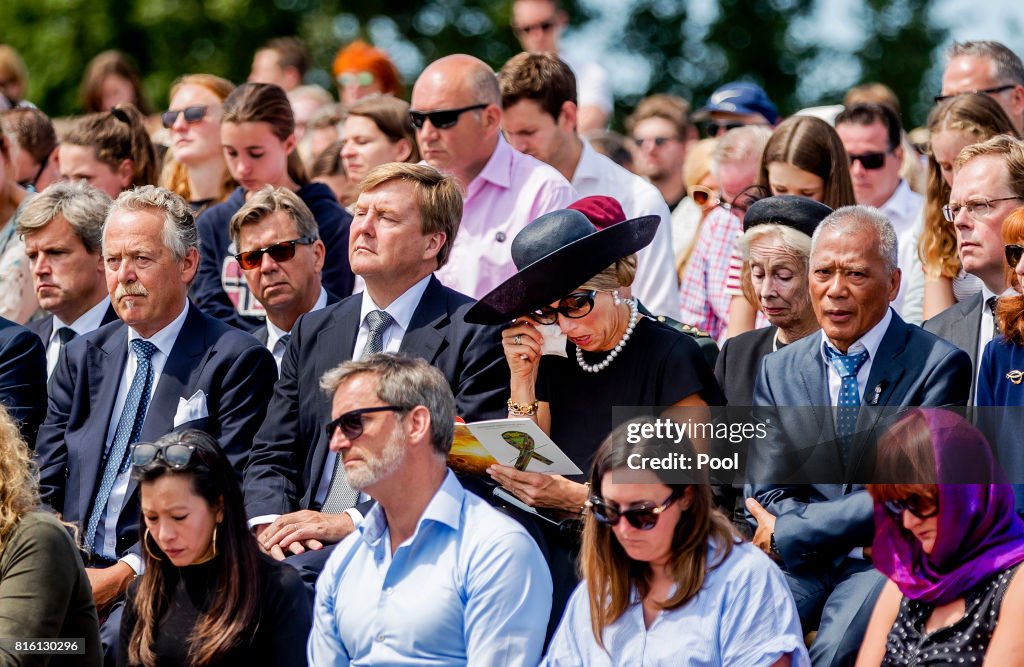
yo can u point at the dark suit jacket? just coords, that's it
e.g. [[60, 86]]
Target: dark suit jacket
[[823, 521], [22, 377], [289, 451], [738, 362], [223, 362], [262, 335], [44, 325], [960, 324]]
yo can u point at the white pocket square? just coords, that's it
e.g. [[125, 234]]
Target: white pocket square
[[192, 409]]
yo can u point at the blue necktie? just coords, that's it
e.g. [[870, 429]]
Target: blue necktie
[[129, 428], [846, 367]]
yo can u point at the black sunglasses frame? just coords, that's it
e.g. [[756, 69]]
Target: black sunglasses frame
[[911, 504], [146, 454], [279, 252], [355, 430], [983, 91], [443, 119], [549, 315], [641, 518], [1013, 252], [170, 117], [543, 26], [870, 161]]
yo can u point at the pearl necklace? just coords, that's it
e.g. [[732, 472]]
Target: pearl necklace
[[634, 315]]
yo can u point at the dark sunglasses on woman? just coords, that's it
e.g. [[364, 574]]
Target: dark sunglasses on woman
[[176, 456], [919, 506], [644, 517], [703, 196], [574, 306], [279, 252], [1013, 254], [442, 119], [192, 115], [352, 423]]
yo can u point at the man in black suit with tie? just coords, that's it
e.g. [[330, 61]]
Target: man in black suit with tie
[[280, 251], [165, 366], [63, 231], [809, 515], [405, 222]]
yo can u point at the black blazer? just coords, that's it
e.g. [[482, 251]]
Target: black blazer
[[223, 362], [44, 325], [738, 362], [22, 387], [289, 451], [262, 335], [960, 324]]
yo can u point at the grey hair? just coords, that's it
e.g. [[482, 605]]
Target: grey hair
[[265, 202], [1007, 65], [856, 218], [83, 206], [793, 240], [741, 144], [180, 232], [407, 382]]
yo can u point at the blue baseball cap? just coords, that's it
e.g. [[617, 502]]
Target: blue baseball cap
[[740, 97]]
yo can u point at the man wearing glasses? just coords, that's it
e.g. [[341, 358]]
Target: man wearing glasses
[[986, 67], [871, 134], [734, 105], [35, 158], [456, 110], [988, 184]]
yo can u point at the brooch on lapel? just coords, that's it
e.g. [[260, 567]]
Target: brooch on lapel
[[1015, 376]]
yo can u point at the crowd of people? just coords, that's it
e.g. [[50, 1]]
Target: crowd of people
[[237, 336]]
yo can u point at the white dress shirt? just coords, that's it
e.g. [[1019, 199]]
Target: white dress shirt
[[106, 532], [868, 342], [274, 332], [903, 209], [88, 321]]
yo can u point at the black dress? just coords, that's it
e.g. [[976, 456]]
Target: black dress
[[286, 617], [739, 361], [964, 642], [658, 366]]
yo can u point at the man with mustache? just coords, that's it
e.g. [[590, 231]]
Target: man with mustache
[[165, 366]]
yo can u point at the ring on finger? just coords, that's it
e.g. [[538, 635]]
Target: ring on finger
[[518, 339]]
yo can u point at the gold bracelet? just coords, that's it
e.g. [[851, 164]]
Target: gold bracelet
[[583, 507], [522, 409]]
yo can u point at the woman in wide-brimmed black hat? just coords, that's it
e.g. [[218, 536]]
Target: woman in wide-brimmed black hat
[[576, 277]]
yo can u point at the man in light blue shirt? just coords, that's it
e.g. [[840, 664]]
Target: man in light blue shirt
[[433, 575]]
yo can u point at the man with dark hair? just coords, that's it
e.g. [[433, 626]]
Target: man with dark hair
[[35, 159], [282, 61], [986, 67], [539, 115], [660, 128], [871, 134]]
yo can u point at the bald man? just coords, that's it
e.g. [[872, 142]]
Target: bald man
[[456, 108]]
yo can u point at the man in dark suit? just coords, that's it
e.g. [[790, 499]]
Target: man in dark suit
[[405, 221], [166, 366], [63, 230], [281, 254], [983, 194], [22, 378], [810, 518]]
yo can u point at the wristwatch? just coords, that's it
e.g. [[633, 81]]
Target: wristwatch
[[774, 548]]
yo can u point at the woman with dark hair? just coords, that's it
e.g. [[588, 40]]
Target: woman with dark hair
[[328, 168], [952, 125], [667, 581], [111, 150], [951, 545], [207, 596], [377, 130], [257, 132], [112, 80]]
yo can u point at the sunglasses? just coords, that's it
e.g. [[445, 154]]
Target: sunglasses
[[703, 196], [713, 128], [1013, 254], [658, 141], [919, 506], [870, 161], [644, 517], [574, 306], [192, 115], [443, 119], [984, 91], [358, 78], [543, 26], [279, 252], [176, 456], [31, 184], [352, 423]]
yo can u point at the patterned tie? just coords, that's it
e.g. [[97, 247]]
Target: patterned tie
[[282, 343], [846, 367], [990, 303], [129, 428], [65, 334], [341, 496]]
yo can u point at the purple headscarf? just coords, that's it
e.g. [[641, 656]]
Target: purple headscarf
[[979, 534]]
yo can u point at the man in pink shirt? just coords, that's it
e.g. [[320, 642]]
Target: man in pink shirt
[[456, 109]]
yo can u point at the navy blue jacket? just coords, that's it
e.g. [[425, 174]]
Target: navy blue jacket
[[22, 377]]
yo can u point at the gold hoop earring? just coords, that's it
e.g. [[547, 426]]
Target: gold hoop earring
[[214, 541], [145, 545]]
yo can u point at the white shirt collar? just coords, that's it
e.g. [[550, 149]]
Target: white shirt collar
[[589, 166], [903, 206], [164, 339], [88, 321], [869, 341], [275, 332], [401, 309]]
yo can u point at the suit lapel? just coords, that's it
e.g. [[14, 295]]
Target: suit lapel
[[105, 365], [814, 378], [425, 335]]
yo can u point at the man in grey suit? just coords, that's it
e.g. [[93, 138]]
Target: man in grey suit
[[818, 529], [988, 183]]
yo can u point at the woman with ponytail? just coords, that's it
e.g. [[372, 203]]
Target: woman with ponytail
[[257, 134], [111, 150]]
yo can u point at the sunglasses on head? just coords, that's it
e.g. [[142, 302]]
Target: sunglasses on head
[[984, 91], [359, 78], [658, 141], [702, 196], [279, 252], [1013, 254], [543, 26], [192, 115], [869, 161], [352, 423], [574, 306], [644, 517], [919, 506], [176, 456], [442, 119]]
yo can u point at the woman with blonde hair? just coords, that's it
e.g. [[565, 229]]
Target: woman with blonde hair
[[702, 196], [44, 592], [195, 168]]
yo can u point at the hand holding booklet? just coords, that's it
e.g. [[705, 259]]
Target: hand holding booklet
[[519, 443]]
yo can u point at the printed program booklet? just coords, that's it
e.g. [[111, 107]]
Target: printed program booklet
[[519, 443]]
